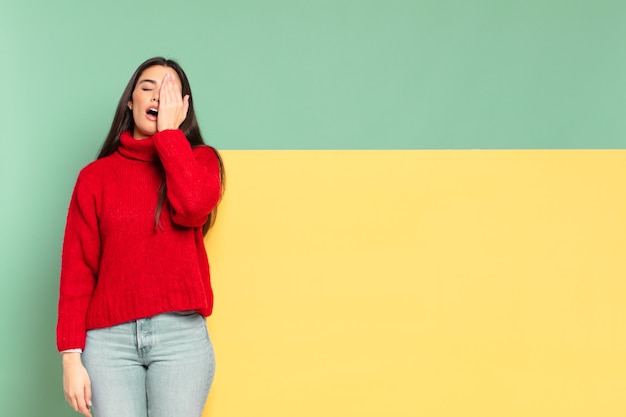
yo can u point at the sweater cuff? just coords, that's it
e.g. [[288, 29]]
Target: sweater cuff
[[172, 144]]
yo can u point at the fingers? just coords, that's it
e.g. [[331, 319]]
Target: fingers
[[83, 409], [185, 105], [88, 394], [77, 387], [170, 93], [164, 93], [80, 403], [173, 107]]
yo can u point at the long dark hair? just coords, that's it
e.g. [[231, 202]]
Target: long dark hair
[[123, 120]]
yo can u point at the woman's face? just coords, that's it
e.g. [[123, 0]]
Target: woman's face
[[145, 99]]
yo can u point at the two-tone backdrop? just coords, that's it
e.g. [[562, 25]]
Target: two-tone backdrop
[[425, 211]]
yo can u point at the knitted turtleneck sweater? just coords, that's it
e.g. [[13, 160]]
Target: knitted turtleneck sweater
[[117, 266]]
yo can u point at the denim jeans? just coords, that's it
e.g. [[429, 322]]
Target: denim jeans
[[161, 366]]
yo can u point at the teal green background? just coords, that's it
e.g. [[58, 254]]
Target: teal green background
[[277, 74]]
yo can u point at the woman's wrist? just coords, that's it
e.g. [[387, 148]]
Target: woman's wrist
[[71, 357]]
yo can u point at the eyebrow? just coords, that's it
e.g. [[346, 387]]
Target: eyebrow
[[147, 81]]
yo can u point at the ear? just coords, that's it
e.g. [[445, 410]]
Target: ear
[[130, 105]]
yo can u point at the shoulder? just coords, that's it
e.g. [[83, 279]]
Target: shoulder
[[206, 153], [96, 169], [204, 149]]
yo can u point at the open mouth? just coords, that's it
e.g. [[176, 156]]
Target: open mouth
[[152, 114]]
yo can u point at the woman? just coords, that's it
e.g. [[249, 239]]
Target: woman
[[135, 284]]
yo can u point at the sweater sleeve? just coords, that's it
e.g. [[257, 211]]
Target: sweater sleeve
[[192, 177], [79, 267]]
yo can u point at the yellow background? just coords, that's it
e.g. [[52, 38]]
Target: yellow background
[[420, 283]]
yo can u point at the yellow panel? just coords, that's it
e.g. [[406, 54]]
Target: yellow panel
[[420, 283]]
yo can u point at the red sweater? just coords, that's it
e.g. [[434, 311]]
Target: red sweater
[[116, 265]]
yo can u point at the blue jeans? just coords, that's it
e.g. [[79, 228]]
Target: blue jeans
[[161, 366]]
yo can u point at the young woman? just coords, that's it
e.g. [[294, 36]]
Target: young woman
[[135, 285]]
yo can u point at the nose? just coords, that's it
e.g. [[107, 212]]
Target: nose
[[155, 98]]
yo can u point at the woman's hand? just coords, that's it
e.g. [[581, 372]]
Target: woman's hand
[[76, 383], [173, 106]]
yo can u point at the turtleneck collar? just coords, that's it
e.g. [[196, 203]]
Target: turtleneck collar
[[142, 150]]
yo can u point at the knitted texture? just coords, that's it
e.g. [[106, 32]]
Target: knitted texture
[[117, 265]]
